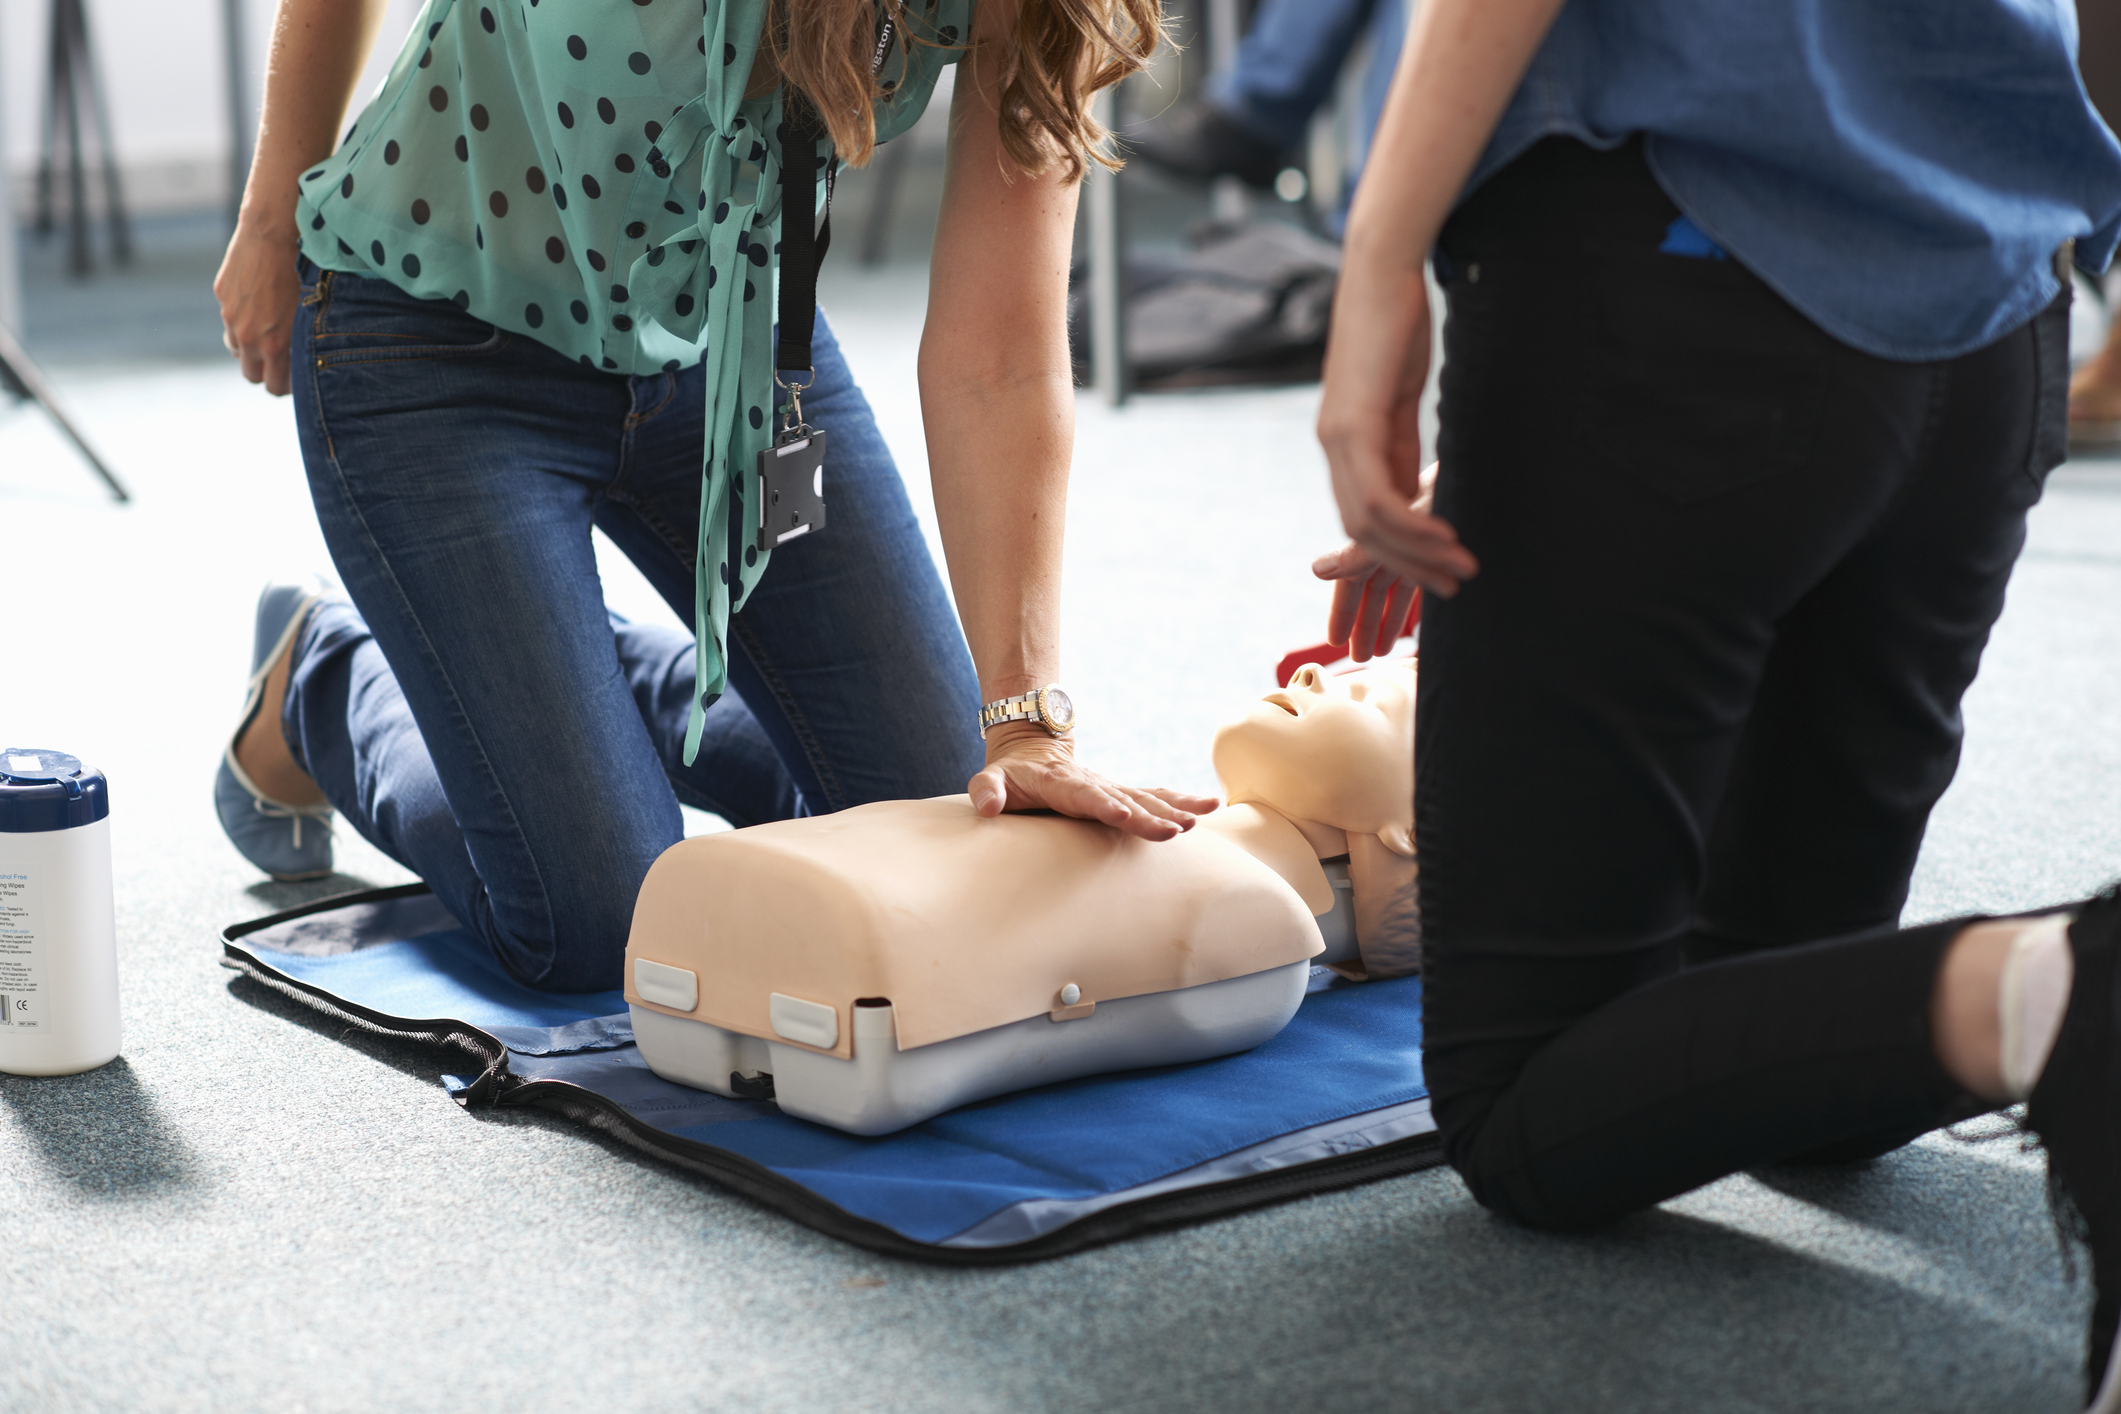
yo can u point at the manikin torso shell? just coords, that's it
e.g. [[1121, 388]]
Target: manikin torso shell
[[965, 923]]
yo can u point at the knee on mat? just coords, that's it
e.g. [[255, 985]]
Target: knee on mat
[[586, 958], [1502, 1186]]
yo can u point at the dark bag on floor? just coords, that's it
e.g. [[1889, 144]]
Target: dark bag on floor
[[1248, 304]]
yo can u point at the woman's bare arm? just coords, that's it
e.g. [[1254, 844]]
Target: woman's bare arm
[[318, 50], [1463, 61], [998, 399]]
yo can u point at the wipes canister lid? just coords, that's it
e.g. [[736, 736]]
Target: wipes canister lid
[[48, 790]]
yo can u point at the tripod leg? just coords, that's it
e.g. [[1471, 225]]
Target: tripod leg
[[48, 124], [79, 259], [239, 137], [121, 236], [20, 376]]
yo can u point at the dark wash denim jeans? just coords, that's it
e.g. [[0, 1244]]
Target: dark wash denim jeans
[[480, 717], [1693, 713]]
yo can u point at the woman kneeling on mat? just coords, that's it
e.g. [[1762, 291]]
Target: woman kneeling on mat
[[1787, 286], [533, 291]]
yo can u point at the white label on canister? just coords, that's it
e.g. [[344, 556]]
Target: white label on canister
[[22, 999]]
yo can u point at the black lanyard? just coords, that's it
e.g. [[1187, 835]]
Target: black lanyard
[[801, 251]]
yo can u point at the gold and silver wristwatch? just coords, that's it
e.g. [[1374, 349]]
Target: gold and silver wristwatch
[[1050, 707]]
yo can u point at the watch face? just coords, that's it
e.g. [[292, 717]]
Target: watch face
[[1057, 708]]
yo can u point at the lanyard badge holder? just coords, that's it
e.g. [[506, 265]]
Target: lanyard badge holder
[[791, 484]]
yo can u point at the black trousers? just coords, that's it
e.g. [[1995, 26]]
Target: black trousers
[[1693, 713]]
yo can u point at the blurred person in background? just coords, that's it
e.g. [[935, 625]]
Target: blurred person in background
[[1254, 118], [1757, 358]]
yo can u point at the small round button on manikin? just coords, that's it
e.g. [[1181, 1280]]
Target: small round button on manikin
[[1071, 994]]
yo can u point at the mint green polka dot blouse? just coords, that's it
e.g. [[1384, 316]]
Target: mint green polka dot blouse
[[588, 173]]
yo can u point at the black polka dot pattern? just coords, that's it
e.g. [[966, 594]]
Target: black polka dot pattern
[[390, 153], [576, 47]]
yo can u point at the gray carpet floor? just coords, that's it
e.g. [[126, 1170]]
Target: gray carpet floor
[[255, 1209]]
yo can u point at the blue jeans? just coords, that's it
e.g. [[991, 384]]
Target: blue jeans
[[477, 713]]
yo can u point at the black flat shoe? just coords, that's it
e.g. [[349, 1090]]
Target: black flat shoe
[[2076, 1111], [1199, 140]]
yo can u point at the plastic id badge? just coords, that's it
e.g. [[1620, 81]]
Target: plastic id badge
[[791, 489]]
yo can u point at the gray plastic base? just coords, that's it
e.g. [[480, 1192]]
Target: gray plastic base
[[884, 1088]]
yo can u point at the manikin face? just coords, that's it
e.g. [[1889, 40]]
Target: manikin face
[[1335, 748]]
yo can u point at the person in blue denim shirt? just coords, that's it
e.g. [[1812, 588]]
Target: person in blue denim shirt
[[1757, 358]]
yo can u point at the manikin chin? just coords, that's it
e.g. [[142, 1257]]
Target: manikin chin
[[871, 968]]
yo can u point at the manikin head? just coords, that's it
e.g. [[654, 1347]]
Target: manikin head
[[1334, 748]]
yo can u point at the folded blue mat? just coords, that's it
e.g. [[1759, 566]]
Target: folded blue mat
[[1336, 1099]]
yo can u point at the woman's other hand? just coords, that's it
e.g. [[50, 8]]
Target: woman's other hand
[[1029, 770], [1370, 601], [258, 290], [318, 47]]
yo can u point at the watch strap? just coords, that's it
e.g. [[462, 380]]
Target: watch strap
[[1022, 708]]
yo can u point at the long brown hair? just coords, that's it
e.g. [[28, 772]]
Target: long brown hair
[[1063, 51]]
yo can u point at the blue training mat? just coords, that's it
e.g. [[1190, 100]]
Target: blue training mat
[[1336, 1099]]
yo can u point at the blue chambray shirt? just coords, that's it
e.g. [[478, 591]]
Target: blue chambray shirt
[[1902, 171]]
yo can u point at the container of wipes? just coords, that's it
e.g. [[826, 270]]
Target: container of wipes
[[58, 935]]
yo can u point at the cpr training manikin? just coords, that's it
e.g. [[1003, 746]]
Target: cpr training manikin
[[872, 968]]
